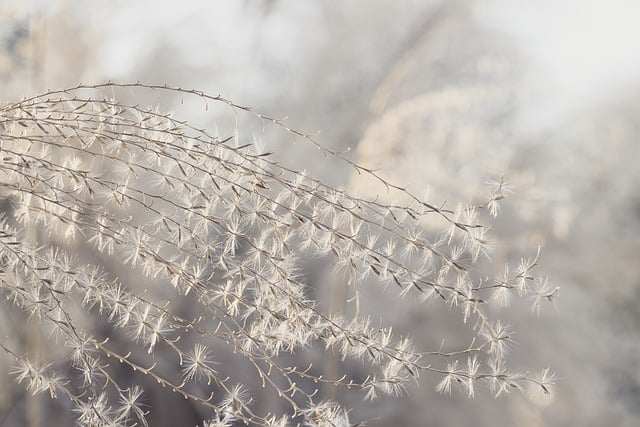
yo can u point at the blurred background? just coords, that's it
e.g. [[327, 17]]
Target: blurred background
[[437, 94]]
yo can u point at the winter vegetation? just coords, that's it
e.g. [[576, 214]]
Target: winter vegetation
[[214, 221], [447, 216]]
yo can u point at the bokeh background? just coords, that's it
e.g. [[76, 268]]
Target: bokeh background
[[437, 94]]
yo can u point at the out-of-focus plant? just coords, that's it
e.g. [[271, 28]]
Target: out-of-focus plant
[[222, 225]]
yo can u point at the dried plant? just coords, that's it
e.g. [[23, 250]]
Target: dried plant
[[224, 227]]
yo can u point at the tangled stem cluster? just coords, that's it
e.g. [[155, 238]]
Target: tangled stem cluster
[[222, 226]]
